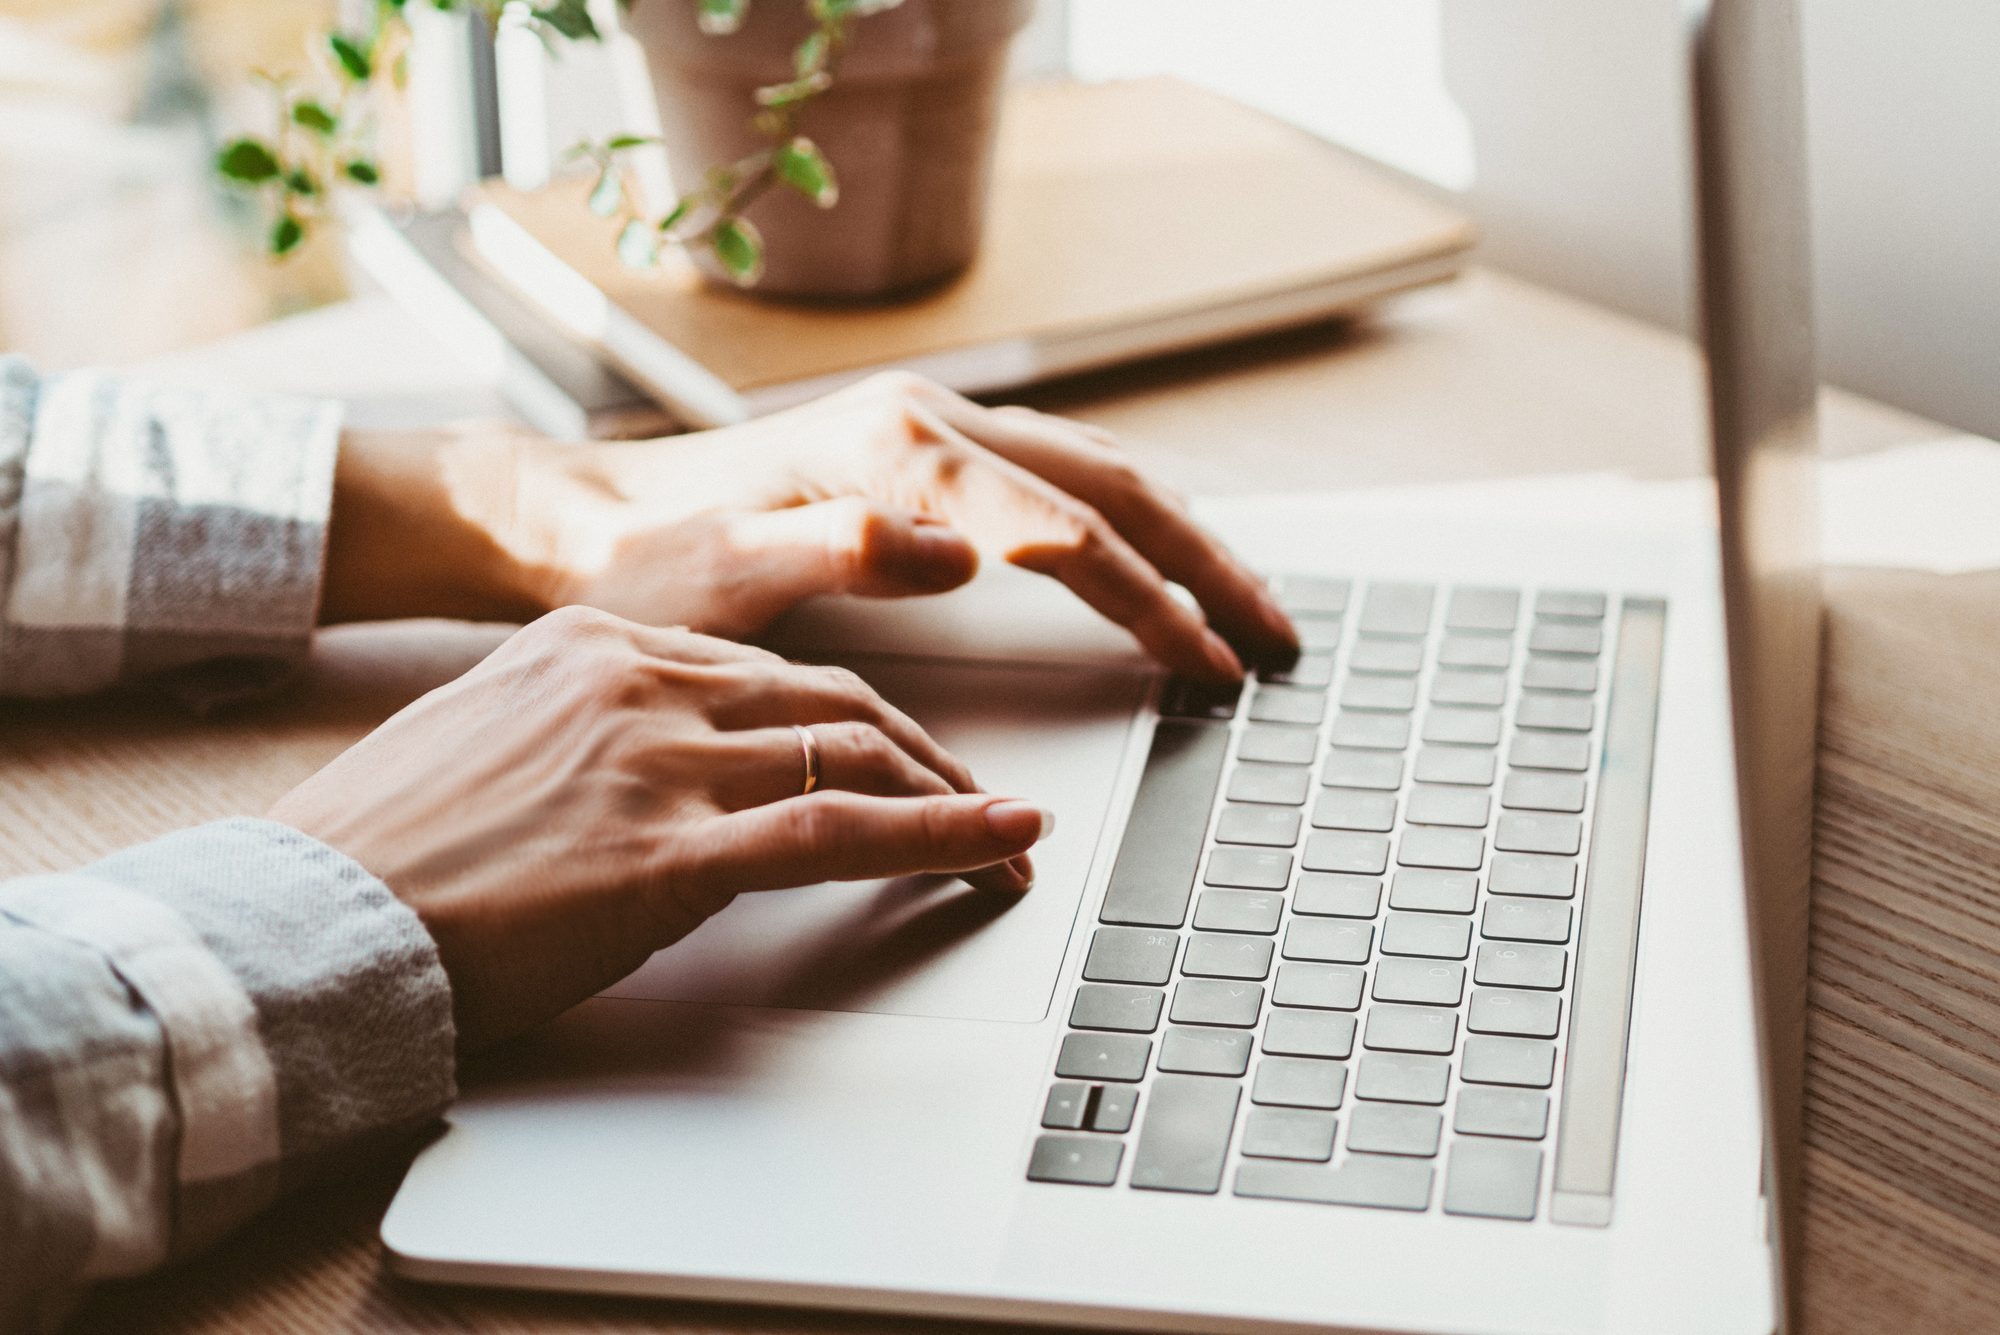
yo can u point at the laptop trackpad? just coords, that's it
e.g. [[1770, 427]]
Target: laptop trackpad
[[932, 945]]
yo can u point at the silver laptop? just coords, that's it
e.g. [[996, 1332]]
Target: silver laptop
[[1449, 980]]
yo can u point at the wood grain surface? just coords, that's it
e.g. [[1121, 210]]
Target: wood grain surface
[[1903, 1094]]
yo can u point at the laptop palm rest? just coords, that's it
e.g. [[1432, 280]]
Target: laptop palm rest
[[932, 946]]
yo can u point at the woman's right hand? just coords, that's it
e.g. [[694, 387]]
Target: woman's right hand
[[596, 789]]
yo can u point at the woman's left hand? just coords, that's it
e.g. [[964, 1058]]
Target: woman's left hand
[[893, 487]]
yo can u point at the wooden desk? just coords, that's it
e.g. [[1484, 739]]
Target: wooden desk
[[1491, 377]]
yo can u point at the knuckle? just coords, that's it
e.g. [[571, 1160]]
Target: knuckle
[[574, 622], [903, 386]]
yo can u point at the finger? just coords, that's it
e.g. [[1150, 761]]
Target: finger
[[849, 545], [788, 694], [837, 836], [1083, 463], [1034, 525]]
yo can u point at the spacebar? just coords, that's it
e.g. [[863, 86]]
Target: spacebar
[[1154, 875]]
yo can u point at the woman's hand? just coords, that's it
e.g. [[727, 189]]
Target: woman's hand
[[893, 487], [596, 789]]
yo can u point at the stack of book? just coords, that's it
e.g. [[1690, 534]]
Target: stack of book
[[1126, 220]]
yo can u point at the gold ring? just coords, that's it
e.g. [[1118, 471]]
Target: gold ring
[[810, 745]]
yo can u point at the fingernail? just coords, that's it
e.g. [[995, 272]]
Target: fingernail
[[1280, 624], [1221, 657], [1023, 868], [1015, 821]]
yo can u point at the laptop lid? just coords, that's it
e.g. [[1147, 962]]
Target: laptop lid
[[1756, 274]]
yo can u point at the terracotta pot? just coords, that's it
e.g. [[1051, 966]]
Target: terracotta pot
[[908, 126]]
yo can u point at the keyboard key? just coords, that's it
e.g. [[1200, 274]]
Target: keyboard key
[[1538, 832], [1354, 809], [1211, 956], [1494, 1179], [1491, 1060], [1319, 635], [1320, 986], [1481, 653], [1434, 846], [1279, 785], [1315, 670], [1560, 637], [1396, 695], [1088, 1161], [1359, 854], [1462, 727], [1328, 940], [1275, 744], [1523, 1014], [1211, 1001], [1526, 920], [1487, 690], [1154, 874], [1394, 1128], [1298, 1082], [1429, 935], [1203, 1052], [1531, 790], [1562, 713], [1402, 1077], [1375, 732], [1396, 609], [1134, 1010], [1482, 609], [1429, 891], [1387, 657], [1520, 1114], [1271, 827], [1336, 895], [1502, 965], [1439, 804], [1420, 981], [1562, 603], [1185, 1136], [1472, 765], [1288, 1133], [1287, 704], [1532, 874], [1182, 698], [1103, 1057], [1411, 1029], [1114, 1108], [1238, 911], [1383, 1184], [1313, 595], [1362, 769], [1063, 1109], [1297, 1033], [1559, 674], [1130, 955], [1549, 750], [1249, 869]]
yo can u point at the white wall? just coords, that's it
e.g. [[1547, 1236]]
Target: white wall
[[1565, 125]]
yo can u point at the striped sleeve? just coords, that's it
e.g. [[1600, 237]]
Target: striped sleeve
[[147, 529], [184, 1024]]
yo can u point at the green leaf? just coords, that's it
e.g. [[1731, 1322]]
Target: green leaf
[[247, 162], [721, 17], [286, 234], [314, 117], [606, 194], [836, 11], [571, 18], [622, 141], [300, 182], [678, 214], [362, 171], [351, 58], [740, 250], [638, 246], [805, 169], [810, 58], [798, 90]]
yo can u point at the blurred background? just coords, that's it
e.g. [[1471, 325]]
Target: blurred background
[[1561, 127]]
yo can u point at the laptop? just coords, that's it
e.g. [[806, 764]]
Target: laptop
[[1449, 980]]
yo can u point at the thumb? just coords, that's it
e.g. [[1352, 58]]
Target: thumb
[[852, 546]]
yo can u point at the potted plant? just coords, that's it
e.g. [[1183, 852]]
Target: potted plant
[[823, 148]]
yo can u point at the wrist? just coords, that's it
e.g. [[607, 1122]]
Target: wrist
[[424, 524]]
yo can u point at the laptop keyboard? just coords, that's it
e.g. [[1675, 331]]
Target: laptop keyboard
[[1337, 958]]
